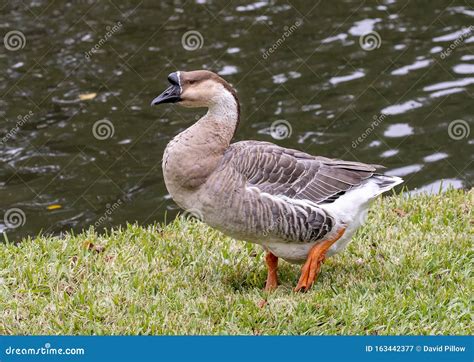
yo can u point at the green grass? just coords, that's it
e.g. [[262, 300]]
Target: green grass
[[408, 271]]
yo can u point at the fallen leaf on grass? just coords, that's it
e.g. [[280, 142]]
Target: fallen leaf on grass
[[400, 212], [92, 247], [466, 208]]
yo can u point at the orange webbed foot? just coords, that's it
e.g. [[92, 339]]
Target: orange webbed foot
[[312, 266]]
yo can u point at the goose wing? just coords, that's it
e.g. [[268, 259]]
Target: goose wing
[[294, 174]]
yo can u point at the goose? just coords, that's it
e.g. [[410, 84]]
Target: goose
[[298, 207]]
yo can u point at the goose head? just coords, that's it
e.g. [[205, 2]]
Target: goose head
[[198, 88]]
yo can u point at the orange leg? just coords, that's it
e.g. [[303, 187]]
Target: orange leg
[[312, 266], [272, 276]]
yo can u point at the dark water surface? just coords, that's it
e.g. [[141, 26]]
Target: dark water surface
[[385, 82]]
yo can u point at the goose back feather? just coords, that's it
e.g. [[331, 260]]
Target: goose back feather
[[295, 174]]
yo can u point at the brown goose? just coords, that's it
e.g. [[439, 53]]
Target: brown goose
[[299, 207]]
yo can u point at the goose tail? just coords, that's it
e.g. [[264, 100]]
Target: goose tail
[[386, 183]]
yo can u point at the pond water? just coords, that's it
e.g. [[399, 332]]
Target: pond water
[[385, 82]]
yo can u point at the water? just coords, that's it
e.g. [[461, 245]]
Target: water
[[84, 62]]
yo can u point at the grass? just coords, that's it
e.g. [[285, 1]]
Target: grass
[[408, 271]]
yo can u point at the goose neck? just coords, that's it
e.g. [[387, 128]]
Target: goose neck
[[223, 115]]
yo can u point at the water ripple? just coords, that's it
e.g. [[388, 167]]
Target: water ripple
[[401, 108]]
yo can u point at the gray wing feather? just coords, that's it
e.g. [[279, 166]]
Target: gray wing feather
[[284, 188], [285, 172]]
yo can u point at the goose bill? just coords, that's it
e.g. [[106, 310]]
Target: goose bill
[[170, 95]]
